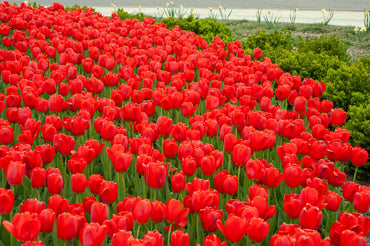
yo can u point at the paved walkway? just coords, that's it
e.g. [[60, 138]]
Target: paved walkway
[[340, 18]]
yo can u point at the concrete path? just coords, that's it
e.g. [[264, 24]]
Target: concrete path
[[340, 18]]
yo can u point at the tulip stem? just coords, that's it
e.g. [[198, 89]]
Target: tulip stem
[[37, 194], [229, 162], [354, 176], [123, 185], [169, 236], [138, 231], [144, 186]]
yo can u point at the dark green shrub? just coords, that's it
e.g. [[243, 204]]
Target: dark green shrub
[[205, 28], [305, 65], [343, 83], [123, 15], [359, 126], [76, 6], [330, 45], [275, 39]]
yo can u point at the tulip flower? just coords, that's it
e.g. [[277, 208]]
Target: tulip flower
[[178, 182], [24, 226], [310, 217], [68, 226], [180, 238], [209, 216], [92, 234], [155, 174], [258, 229], [228, 230], [15, 172], [108, 191], [54, 183], [142, 211], [6, 201], [32, 206]]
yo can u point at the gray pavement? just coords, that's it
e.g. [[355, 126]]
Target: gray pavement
[[346, 13]]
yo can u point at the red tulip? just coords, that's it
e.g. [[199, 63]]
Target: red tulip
[[209, 216], [258, 229], [178, 182], [359, 156], [122, 221], [188, 109], [163, 126], [78, 182], [47, 219], [333, 200], [293, 175], [38, 177], [241, 155], [174, 211], [24, 227], [213, 240], [68, 226], [63, 143], [180, 238], [108, 191], [121, 238], [6, 201], [257, 53], [300, 104], [292, 205], [228, 230], [94, 183], [32, 206], [158, 211], [58, 204], [142, 211], [310, 217], [99, 212], [155, 174], [208, 165], [361, 201], [6, 135], [92, 234], [170, 148], [15, 172], [338, 117], [54, 183]]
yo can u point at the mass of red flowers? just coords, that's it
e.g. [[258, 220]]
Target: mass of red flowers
[[121, 132]]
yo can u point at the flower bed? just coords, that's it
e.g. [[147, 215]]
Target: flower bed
[[126, 133]]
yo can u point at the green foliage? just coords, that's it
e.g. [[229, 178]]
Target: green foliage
[[348, 85], [205, 28], [330, 45], [359, 126], [275, 39], [348, 88], [76, 6], [123, 15]]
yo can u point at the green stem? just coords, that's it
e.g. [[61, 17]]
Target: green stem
[[354, 177], [37, 194], [138, 231], [229, 164], [169, 236], [123, 185], [144, 186], [198, 231]]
